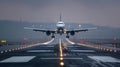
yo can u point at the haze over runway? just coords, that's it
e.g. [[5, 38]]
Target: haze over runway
[[98, 12]]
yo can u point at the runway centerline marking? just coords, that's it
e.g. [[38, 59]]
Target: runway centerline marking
[[18, 59], [64, 58], [60, 47], [61, 53]]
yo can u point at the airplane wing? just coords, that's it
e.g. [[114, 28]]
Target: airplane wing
[[80, 30], [40, 30]]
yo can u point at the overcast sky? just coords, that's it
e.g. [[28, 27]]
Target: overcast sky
[[98, 12]]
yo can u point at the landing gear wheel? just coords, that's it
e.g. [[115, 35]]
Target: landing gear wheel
[[53, 36], [67, 36]]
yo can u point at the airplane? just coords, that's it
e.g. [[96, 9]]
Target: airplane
[[60, 30]]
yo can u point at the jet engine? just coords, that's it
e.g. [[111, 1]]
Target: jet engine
[[48, 33], [72, 33]]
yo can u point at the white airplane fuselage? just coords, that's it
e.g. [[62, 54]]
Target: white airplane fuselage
[[60, 27]]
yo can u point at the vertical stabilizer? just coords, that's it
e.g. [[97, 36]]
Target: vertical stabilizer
[[60, 17]]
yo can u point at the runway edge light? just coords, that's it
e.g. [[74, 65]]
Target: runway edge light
[[3, 42]]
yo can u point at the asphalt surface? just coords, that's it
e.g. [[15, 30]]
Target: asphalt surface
[[59, 53]]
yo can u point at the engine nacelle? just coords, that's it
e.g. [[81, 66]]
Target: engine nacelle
[[48, 33], [72, 33]]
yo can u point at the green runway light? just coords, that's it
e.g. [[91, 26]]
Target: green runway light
[[3, 41]]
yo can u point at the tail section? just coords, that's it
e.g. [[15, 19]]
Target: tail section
[[60, 17]]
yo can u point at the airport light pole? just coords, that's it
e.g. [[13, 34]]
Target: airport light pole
[[114, 45]]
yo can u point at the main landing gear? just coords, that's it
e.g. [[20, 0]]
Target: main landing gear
[[53, 36], [67, 36]]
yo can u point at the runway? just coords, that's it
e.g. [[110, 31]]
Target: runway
[[58, 53]]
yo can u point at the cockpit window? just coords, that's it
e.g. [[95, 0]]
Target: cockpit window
[[60, 23]]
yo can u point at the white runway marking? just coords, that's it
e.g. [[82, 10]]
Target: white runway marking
[[64, 58], [49, 41], [70, 41], [73, 46], [17, 59], [49, 46], [82, 50], [104, 58], [40, 51]]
